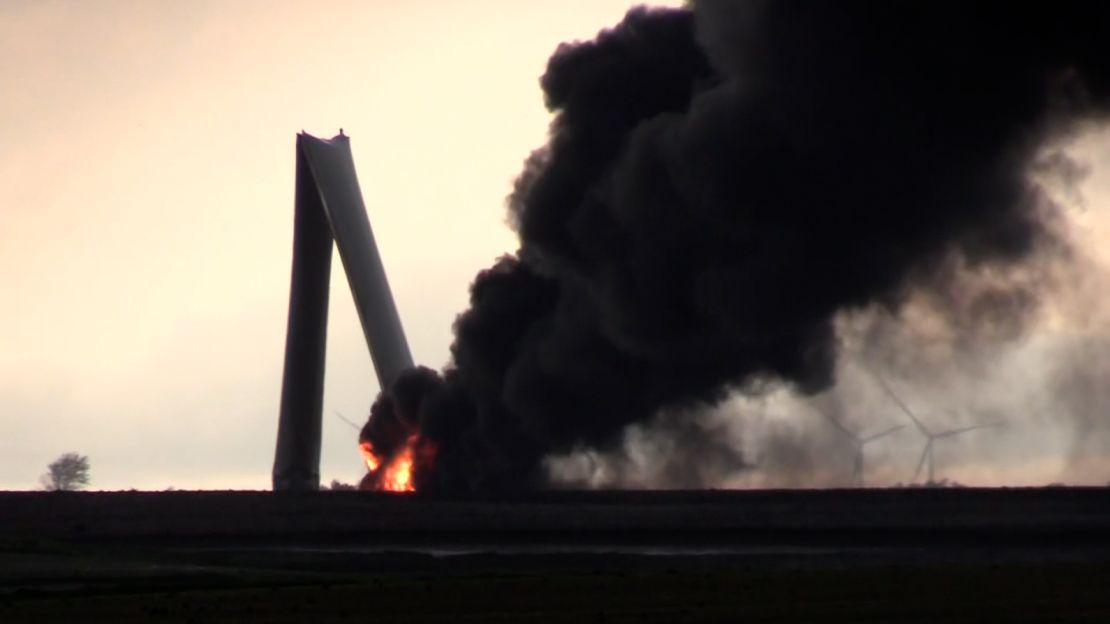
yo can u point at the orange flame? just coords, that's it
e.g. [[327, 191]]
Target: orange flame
[[393, 474], [398, 474], [372, 460]]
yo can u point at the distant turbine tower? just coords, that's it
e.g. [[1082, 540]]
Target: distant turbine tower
[[930, 436], [859, 441]]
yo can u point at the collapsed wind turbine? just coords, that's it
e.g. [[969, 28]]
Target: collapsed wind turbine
[[328, 210]]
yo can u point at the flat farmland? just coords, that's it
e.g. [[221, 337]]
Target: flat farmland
[[837, 555]]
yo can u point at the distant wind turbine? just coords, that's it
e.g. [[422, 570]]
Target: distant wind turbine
[[930, 436], [859, 441]]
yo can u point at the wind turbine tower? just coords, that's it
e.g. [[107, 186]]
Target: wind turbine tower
[[859, 441]]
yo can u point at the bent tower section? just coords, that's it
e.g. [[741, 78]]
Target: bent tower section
[[328, 206]]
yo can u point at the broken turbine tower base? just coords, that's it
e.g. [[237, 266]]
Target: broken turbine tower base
[[328, 206]]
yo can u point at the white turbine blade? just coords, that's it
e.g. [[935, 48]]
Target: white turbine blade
[[348, 421], [902, 406], [921, 463], [886, 432]]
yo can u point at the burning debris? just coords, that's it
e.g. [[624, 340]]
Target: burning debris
[[720, 185], [390, 474], [391, 442]]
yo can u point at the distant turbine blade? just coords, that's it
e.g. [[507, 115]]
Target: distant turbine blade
[[881, 434], [921, 464], [904, 408], [842, 428], [953, 432]]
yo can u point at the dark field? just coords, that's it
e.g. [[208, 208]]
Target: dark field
[[951, 555]]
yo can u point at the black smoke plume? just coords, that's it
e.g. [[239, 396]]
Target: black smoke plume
[[719, 184]]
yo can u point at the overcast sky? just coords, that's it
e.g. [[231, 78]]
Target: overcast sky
[[146, 158]]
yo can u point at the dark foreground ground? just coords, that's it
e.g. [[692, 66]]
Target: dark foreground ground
[[957, 555]]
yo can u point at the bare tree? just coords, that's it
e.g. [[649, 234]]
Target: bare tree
[[68, 473]]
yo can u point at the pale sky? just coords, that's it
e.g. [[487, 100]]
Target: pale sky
[[147, 160], [146, 157]]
